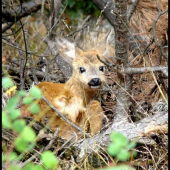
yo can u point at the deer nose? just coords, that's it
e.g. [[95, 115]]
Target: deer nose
[[95, 82]]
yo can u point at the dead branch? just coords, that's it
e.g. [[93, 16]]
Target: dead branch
[[50, 39], [131, 9], [62, 116], [55, 8], [154, 33], [29, 56], [138, 131], [121, 51], [6, 26], [79, 29], [131, 70], [22, 60], [39, 74], [19, 48], [106, 7], [19, 12], [82, 25]]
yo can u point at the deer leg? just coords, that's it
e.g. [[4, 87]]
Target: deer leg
[[95, 116]]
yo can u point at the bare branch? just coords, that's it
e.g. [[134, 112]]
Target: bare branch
[[132, 9], [22, 59], [107, 8], [54, 17], [39, 74], [30, 56], [19, 48], [6, 26], [79, 29], [121, 51], [18, 12], [130, 130], [63, 117], [102, 61], [154, 33], [141, 70]]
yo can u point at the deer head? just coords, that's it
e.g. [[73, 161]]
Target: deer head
[[88, 71]]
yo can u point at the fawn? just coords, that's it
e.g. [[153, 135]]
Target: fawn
[[73, 98]]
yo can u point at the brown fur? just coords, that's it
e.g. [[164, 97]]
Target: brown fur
[[73, 98]]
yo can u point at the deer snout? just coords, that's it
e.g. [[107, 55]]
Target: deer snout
[[95, 83]]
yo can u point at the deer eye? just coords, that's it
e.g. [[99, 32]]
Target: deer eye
[[101, 68], [82, 69]]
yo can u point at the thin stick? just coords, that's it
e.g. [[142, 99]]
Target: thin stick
[[63, 117]]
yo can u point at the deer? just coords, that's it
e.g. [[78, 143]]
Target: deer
[[74, 99]]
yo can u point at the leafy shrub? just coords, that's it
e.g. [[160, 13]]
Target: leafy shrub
[[120, 148], [26, 138], [77, 8]]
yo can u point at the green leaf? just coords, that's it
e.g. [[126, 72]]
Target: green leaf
[[28, 134], [28, 166], [3, 158], [34, 108], [14, 114], [19, 125], [20, 144], [12, 103], [28, 100], [7, 82], [6, 123], [36, 92], [38, 167], [119, 139], [22, 93], [12, 156], [49, 160], [123, 155], [134, 153], [14, 167], [71, 3], [131, 145], [113, 149], [31, 166]]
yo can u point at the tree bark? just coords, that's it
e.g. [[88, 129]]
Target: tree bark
[[121, 26]]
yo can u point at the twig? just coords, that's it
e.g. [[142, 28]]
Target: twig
[[51, 44], [132, 9], [154, 33], [68, 141], [30, 56], [55, 4], [104, 62], [36, 155], [22, 61], [38, 73], [63, 117], [107, 8], [130, 130], [52, 140], [19, 48], [145, 50], [79, 29], [19, 12], [141, 70], [6, 26], [81, 26], [44, 17]]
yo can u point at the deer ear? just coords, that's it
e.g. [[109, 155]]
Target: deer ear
[[103, 48], [67, 50]]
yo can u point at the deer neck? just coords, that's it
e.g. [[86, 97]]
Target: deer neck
[[77, 88]]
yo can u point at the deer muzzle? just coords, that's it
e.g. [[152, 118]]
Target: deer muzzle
[[94, 83]]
